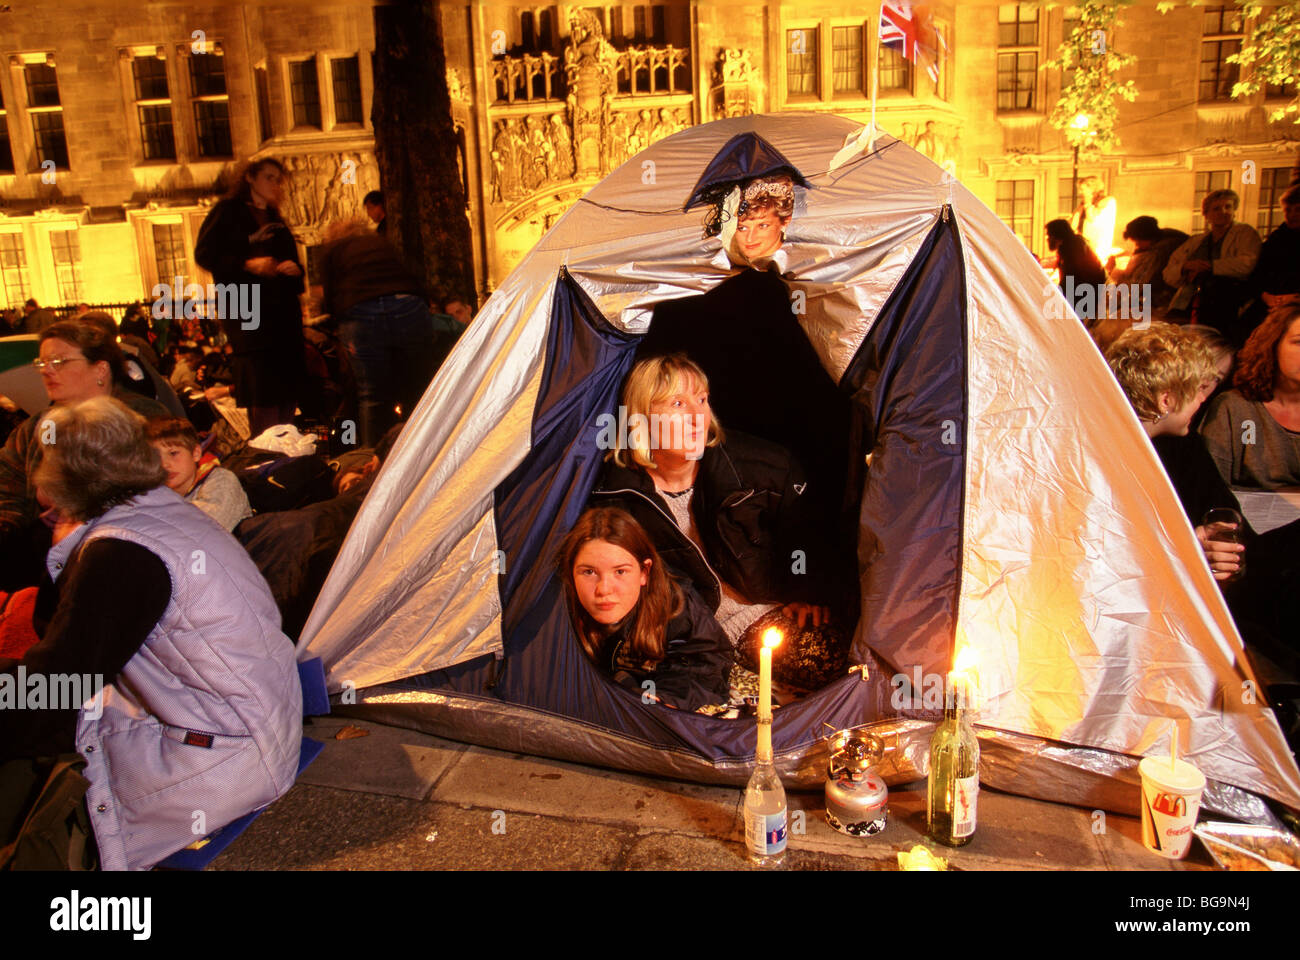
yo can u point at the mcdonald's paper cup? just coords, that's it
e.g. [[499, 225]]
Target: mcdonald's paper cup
[[1171, 798]]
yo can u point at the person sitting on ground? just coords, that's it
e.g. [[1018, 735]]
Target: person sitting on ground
[[729, 516], [1215, 265], [650, 632], [142, 374], [1253, 430], [203, 705], [76, 362], [210, 487], [1079, 269], [1167, 371], [1152, 247]]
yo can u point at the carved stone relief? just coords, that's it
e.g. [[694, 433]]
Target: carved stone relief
[[733, 79], [940, 142], [324, 187]]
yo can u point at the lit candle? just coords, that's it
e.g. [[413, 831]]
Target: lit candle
[[771, 639]]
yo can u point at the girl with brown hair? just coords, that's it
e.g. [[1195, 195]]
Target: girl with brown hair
[[651, 632]]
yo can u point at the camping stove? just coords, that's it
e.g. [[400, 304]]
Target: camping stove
[[856, 796]]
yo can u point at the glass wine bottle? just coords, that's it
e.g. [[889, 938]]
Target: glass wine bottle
[[765, 808], [954, 783]]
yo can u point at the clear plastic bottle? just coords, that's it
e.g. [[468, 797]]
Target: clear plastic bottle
[[765, 807]]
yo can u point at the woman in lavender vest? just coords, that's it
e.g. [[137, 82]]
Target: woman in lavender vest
[[194, 716]]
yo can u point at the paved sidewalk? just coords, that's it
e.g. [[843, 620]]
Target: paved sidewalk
[[400, 800]]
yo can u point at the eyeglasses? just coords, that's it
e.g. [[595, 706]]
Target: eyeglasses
[[56, 364]]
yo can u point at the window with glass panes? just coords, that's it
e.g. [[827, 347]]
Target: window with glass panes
[[801, 63], [169, 252], [347, 90], [846, 61], [1017, 68], [1221, 26], [211, 104], [895, 70], [1207, 181], [304, 89], [51, 142], [1015, 206], [66, 247], [46, 111], [263, 88], [6, 149], [42, 85], [13, 269], [154, 108], [1273, 182]]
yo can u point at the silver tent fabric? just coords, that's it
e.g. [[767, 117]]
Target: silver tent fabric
[[1083, 592]]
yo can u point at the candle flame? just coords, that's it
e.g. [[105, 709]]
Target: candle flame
[[771, 637], [966, 658]]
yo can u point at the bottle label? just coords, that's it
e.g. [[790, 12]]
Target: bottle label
[[966, 797], [765, 833]]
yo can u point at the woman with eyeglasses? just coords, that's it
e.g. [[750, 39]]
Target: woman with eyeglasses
[[77, 362]]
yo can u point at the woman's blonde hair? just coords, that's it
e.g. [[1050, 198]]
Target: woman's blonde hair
[[650, 381], [1160, 358], [96, 455]]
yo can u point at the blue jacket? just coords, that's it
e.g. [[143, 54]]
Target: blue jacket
[[204, 723]]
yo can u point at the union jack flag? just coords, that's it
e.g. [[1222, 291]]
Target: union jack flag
[[910, 31]]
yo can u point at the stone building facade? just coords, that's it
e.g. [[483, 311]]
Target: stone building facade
[[120, 120]]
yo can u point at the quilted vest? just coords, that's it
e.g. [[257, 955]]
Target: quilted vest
[[204, 723]]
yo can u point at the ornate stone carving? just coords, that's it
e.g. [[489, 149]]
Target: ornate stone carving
[[733, 77], [456, 87], [325, 187], [589, 69], [940, 142]]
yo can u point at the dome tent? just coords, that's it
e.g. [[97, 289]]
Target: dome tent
[[1011, 498]]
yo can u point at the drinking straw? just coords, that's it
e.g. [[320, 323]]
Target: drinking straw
[[1173, 750]]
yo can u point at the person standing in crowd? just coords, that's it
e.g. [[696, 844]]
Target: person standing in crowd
[[77, 361], [374, 205], [1078, 266], [1094, 220], [245, 241], [383, 320], [1215, 266], [1277, 274], [1152, 247], [35, 317]]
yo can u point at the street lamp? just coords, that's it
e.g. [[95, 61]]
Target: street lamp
[[1080, 124]]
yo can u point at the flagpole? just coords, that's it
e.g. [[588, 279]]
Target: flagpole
[[875, 86]]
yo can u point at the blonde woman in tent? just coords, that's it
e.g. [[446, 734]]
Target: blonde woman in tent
[[731, 513], [636, 621]]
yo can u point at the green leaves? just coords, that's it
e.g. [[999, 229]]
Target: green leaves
[[1087, 109]]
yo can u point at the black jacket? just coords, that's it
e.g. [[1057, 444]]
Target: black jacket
[[697, 659], [752, 507], [222, 248]]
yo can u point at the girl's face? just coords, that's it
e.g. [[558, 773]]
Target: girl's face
[[760, 235], [608, 581], [1288, 356]]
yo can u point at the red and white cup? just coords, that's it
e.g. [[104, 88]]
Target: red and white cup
[[1171, 799]]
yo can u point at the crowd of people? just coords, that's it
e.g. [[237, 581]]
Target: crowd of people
[[152, 538], [148, 538]]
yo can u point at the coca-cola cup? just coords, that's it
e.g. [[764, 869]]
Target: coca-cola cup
[[1171, 799]]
